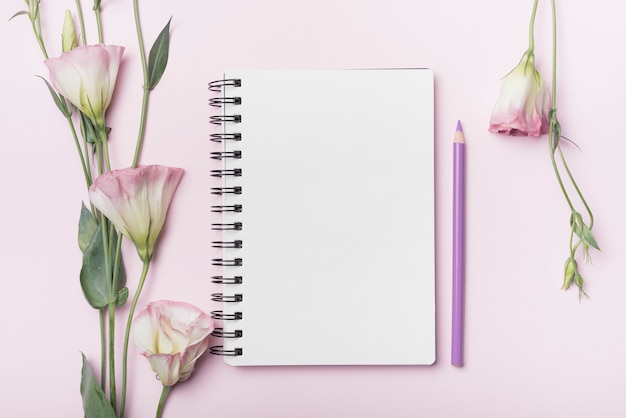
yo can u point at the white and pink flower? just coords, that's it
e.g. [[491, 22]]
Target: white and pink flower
[[523, 106], [136, 201], [172, 335], [86, 76]]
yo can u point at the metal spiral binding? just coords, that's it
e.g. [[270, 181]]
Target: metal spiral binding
[[226, 190], [221, 315], [232, 191], [227, 280], [220, 333], [220, 119], [227, 262], [219, 350], [222, 136], [216, 86], [222, 155], [220, 297], [235, 226], [219, 101], [228, 244], [227, 208], [234, 172]]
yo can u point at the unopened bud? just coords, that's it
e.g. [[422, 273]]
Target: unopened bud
[[571, 272], [68, 37], [578, 281]]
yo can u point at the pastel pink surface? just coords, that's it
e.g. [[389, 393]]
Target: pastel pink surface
[[530, 349]]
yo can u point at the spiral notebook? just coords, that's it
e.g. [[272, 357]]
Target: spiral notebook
[[326, 243]]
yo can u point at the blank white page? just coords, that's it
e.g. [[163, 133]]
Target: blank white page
[[338, 217]]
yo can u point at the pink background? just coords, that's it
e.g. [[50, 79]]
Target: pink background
[[531, 349]]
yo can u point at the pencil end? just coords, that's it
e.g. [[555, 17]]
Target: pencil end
[[458, 136]]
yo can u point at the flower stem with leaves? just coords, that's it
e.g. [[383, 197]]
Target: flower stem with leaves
[[83, 79], [152, 72], [526, 107], [579, 228]]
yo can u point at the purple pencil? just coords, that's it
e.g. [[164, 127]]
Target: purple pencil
[[458, 245]]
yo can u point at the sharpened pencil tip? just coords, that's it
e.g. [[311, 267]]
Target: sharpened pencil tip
[[458, 135]]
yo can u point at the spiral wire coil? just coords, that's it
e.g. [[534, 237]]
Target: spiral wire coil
[[226, 174]]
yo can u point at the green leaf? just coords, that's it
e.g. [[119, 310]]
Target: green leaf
[[93, 277], [122, 297], [21, 12], [87, 130], [587, 237], [58, 100], [87, 226], [95, 403], [121, 275], [582, 231], [159, 54]]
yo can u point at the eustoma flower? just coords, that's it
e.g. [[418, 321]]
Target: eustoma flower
[[172, 335], [86, 76], [136, 201], [524, 103]]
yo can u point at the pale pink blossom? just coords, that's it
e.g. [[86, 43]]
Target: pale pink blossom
[[172, 335], [523, 106], [86, 76], [136, 201]]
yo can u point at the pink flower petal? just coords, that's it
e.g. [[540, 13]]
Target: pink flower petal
[[136, 201]]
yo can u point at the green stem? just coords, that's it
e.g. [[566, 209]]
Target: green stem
[[554, 55], [103, 351], [164, 393], [107, 270], [99, 157], [531, 34], [567, 170], [556, 169], [111, 309], [129, 322], [571, 177], [83, 162], [102, 139], [96, 10], [87, 157], [36, 24], [146, 91], [81, 22], [112, 387], [553, 118]]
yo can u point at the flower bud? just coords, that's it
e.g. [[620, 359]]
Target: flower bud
[[68, 37], [578, 281], [571, 272]]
